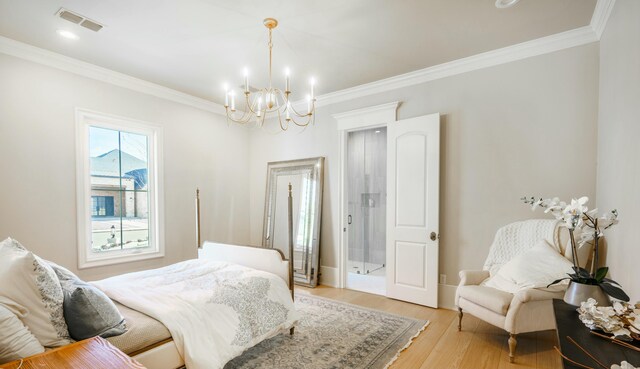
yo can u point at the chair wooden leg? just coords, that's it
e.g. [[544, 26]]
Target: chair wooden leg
[[512, 347], [459, 319]]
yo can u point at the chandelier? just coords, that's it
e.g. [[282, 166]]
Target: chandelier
[[269, 99]]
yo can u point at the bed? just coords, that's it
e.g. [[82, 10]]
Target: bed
[[150, 342]]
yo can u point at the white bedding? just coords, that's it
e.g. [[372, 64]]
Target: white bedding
[[214, 310]]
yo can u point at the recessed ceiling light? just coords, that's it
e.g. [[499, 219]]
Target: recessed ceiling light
[[377, 131], [505, 3], [67, 34]]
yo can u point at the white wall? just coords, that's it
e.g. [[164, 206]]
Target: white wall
[[619, 141], [37, 164], [522, 128]]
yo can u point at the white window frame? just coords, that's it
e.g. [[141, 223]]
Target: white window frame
[[154, 132]]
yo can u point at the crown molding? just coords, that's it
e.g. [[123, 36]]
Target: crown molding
[[601, 15], [540, 46], [367, 117], [65, 63]]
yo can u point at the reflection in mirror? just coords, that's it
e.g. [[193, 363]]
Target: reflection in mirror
[[306, 178]]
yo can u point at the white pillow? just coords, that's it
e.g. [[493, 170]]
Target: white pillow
[[534, 268], [29, 283], [16, 342]]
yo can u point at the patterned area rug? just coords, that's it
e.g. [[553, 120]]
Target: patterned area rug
[[333, 334]]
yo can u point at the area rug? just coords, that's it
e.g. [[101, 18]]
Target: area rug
[[334, 334]]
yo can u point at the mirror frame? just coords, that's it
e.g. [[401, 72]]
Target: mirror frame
[[274, 169]]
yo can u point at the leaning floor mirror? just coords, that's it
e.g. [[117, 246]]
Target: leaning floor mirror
[[306, 177]]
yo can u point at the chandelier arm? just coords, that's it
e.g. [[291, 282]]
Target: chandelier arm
[[243, 119], [303, 124], [261, 119], [238, 121], [313, 108], [251, 104], [282, 127]]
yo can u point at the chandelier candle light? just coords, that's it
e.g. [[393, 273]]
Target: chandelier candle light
[[269, 99]]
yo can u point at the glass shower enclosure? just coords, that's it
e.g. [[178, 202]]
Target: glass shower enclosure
[[367, 205]]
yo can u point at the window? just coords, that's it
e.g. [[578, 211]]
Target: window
[[101, 206], [119, 189]]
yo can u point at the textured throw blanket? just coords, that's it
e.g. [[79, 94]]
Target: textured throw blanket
[[214, 310], [515, 238]]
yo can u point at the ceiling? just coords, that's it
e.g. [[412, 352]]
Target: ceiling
[[194, 46]]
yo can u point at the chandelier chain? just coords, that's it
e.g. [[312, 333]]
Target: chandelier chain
[[270, 53]]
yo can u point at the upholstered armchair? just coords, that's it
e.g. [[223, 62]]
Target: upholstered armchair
[[524, 311]]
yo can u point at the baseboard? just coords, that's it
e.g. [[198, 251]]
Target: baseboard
[[447, 296], [329, 276], [446, 292]]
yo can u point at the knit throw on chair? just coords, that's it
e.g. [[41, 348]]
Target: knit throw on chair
[[515, 238]]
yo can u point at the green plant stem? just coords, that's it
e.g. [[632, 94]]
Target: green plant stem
[[574, 250], [596, 254]]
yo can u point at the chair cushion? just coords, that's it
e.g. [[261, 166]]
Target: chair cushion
[[487, 297]]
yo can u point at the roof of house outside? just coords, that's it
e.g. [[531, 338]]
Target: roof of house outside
[[108, 165]]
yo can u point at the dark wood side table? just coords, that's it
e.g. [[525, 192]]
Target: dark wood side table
[[94, 353], [606, 352]]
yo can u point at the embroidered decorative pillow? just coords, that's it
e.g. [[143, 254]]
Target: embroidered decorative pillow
[[87, 310], [16, 342], [30, 283]]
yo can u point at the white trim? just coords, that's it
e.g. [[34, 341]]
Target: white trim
[[65, 63], [353, 120], [367, 117], [544, 45], [83, 187], [540, 46], [601, 15], [329, 276]]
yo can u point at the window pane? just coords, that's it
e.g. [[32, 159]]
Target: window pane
[[134, 158], [135, 226], [105, 220], [105, 155]]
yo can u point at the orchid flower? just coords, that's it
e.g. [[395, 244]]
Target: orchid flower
[[576, 215]]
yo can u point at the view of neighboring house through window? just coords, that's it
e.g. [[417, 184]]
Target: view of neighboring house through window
[[119, 189]]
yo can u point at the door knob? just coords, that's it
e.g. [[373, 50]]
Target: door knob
[[433, 236]]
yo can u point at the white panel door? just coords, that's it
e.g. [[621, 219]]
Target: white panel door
[[413, 177]]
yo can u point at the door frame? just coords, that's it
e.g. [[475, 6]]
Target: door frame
[[350, 121]]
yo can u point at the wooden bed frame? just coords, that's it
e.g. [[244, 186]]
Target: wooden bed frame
[[165, 355]]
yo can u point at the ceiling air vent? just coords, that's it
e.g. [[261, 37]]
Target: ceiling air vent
[[79, 19], [91, 25]]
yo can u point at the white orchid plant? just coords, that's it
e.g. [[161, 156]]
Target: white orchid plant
[[588, 226]]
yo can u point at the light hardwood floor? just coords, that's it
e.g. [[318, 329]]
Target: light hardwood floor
[[479, 345]]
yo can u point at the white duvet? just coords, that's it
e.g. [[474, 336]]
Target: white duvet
[[214, 310]]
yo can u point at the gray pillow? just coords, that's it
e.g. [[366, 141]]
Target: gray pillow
[[87, 310]]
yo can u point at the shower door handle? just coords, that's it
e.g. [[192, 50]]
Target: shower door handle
[[349, 219]]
